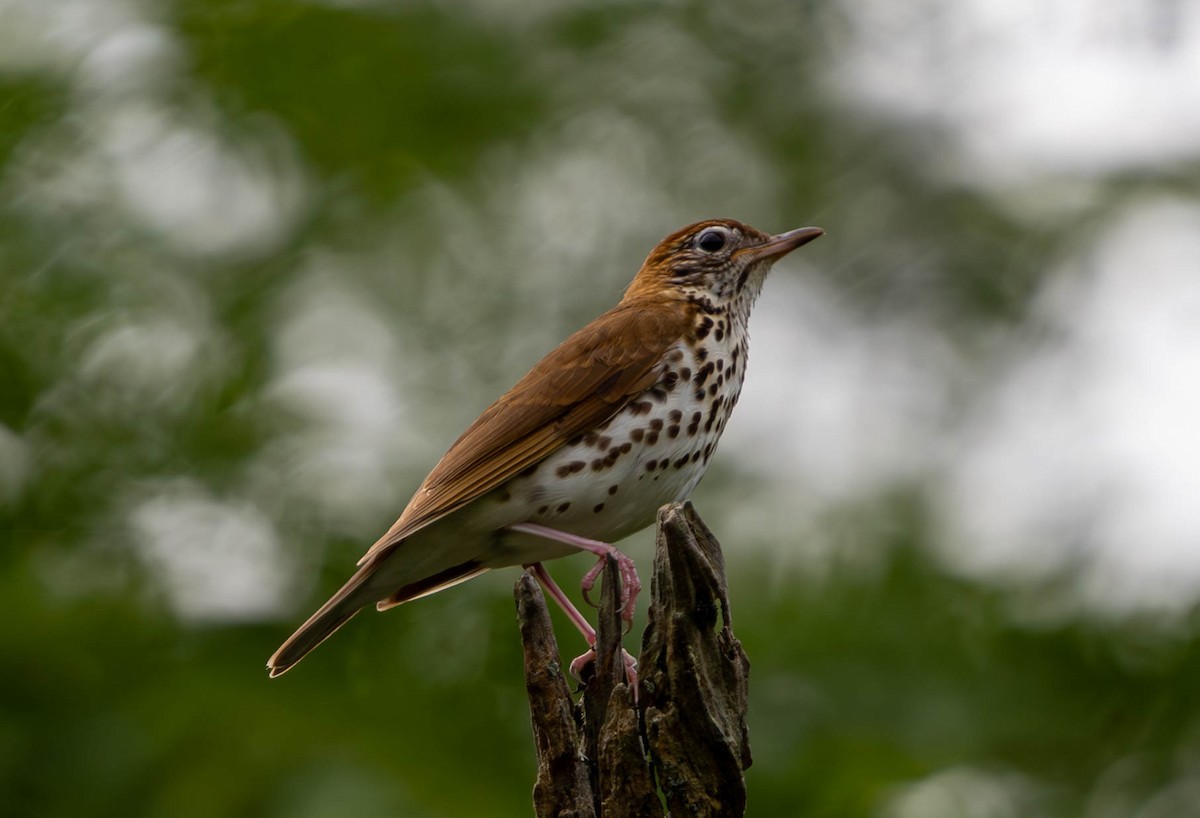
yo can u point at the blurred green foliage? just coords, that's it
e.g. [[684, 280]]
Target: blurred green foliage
[[376, 96], [865, 680]]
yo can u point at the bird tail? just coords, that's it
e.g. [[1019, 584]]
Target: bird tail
[[366, 587], [339, 610]]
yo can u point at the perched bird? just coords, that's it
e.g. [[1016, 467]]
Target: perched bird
[[619, 419]]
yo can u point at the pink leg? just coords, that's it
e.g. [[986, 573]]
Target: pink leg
[[589, 633], [630, 584], [556, 593]]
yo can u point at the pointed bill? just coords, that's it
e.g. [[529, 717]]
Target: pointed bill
[[779, 246]]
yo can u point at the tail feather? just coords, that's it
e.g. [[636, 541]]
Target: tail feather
[[339, 610], [355, 595]]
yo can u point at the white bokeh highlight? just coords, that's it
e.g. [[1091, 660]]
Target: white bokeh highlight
[[1085, 454], [966, 792], [216, 560], [335, 372], [844, 406], [1029, 88]]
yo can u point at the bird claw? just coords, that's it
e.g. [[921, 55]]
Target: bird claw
[[584, 659], [631, 585], [580, 662]]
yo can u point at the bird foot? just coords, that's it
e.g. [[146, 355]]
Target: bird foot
[[631, 586], [584, 659]]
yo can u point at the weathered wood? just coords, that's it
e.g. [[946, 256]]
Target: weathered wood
[[563, 784], [694, 676], [608, 671], [624, 782], [686, 741]]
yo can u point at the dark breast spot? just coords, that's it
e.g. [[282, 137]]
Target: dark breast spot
[[570, 468], [596, 509], [637, 434], [641, 407], [656, 424], [673, 431], [704, 327], [612, 489], [567, 504], [714, 412]]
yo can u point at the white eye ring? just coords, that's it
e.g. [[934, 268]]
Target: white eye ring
[[712, 239]]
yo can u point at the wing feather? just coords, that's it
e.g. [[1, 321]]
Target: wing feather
[[583, 382]]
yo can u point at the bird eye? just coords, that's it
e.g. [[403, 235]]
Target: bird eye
[[711, 240]]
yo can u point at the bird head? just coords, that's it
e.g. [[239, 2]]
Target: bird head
[[718, 261]]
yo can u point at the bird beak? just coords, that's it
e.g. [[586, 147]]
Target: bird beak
[[779, 246]]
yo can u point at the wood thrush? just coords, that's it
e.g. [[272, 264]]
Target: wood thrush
[[619, 419]]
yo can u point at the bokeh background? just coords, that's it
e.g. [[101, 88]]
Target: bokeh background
[[262, 260]]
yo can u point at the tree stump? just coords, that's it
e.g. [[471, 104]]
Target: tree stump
[[685, 742]]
